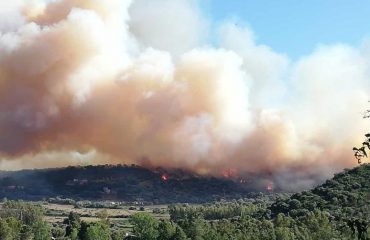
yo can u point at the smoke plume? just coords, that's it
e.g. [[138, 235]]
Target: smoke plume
[[120, 81]]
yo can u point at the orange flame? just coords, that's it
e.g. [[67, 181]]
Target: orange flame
[[270, 187], [230, 173], [164, 177]]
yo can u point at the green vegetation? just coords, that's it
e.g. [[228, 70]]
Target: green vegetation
[[338, 209], [23, 221]]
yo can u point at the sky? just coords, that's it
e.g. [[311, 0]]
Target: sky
[[203, 85], [296, 27]]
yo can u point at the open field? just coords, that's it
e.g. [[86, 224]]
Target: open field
[[56, 213]]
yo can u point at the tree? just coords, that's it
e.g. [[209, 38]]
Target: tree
[[82, 234], [5, 231], [362, 151], [26, 212], [318, 225], [98, 231], [194, 228], [167, 229], [41, 230], [145, 226], [58, 232], [73, 225], [118, 235], [179, 234], [26, 233], [283, 227], [15, 227], [74, 234], [33, 227]]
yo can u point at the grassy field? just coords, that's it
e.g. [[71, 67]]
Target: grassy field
[[55, 213]]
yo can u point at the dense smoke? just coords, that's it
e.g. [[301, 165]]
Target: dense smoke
[[119, 81]]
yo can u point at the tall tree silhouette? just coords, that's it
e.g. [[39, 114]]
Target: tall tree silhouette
[[364, 150]]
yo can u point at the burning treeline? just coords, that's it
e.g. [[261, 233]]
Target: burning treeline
[[85, 81]]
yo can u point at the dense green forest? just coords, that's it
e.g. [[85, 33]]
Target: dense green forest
[[338, 209]]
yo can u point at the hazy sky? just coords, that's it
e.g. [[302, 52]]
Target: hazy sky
[[296, 27]]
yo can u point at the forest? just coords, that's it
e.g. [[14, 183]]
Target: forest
[[126, 183], [337, 209]]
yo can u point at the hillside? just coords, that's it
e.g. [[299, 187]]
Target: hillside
[[338, 209], [346, 195], [121, 182]]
